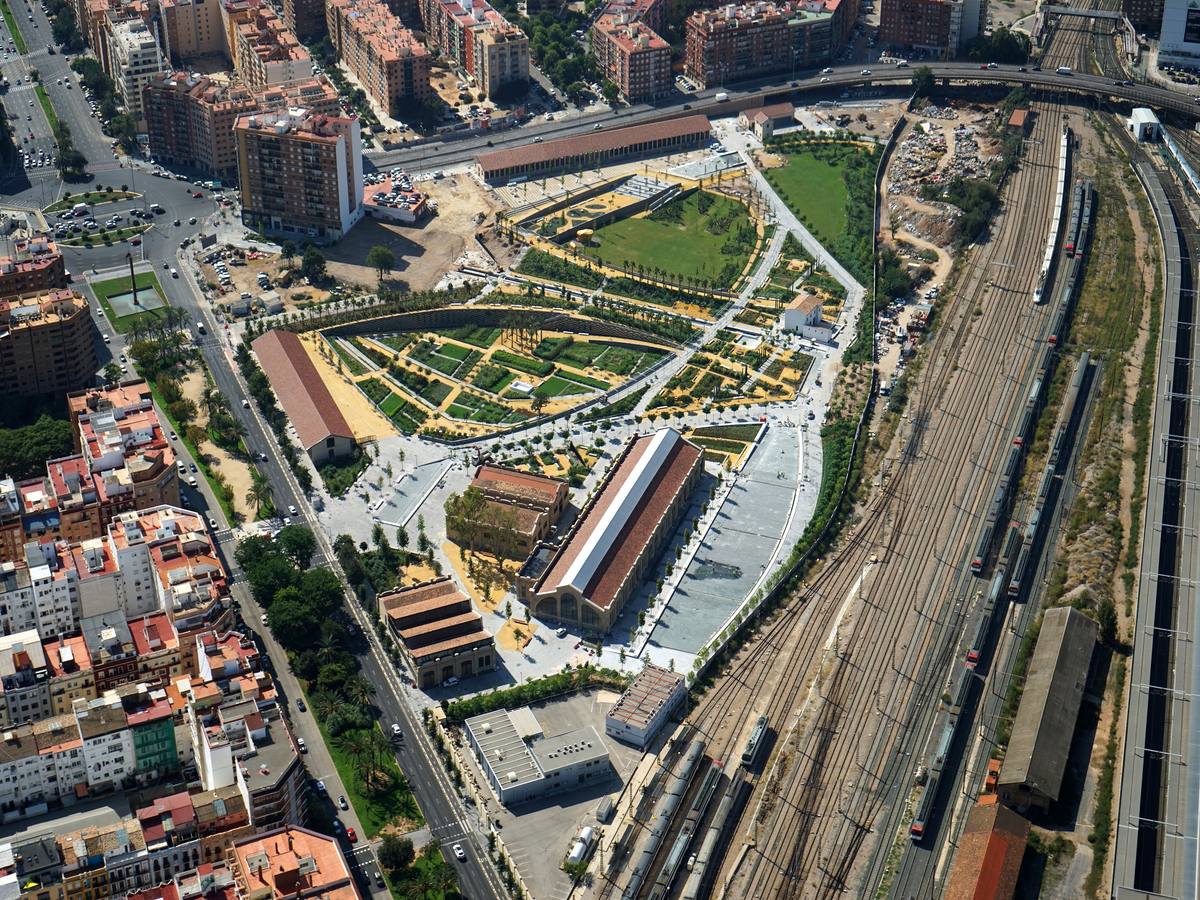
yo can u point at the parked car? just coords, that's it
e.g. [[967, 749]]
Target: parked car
[[342, 802]]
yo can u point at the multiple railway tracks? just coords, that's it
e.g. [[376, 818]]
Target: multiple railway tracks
[[849, 671]]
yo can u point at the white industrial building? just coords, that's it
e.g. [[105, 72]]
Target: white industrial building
[[645, 706], [521, 763], [1143, 124]]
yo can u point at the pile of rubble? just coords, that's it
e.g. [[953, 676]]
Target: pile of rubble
[[938, 112]]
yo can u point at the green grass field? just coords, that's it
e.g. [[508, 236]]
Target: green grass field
[[47, 106], [390, 405], [555, 386], [114, 286], [92, 198], [815, 191], [690, 248], [521, 363]]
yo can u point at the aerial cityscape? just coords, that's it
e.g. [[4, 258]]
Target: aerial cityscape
[[599, 449]]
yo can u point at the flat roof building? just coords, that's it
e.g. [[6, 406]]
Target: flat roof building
[[136, 58], [630, 53], [521, 763], [618, 535], [1036, 760], [319, 423], [593, 149], [740, 42], [46, 344], [300, 173], [36, 265], [494, 52], [645, 706], [291, 862], [384, 55]]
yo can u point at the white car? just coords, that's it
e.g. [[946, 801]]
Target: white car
[[459, 853], [293, 511], [396, 732]]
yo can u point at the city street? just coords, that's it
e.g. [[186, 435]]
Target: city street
[[444, 811]]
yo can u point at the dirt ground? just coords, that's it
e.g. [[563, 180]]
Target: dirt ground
[[244, 278], [235, 471], [516, 635], [424, 252], [454, 553]]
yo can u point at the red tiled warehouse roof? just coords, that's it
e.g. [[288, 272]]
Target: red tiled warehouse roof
[[298, 385]]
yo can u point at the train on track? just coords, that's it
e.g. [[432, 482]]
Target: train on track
[[754, 744], [1016, 551], [1046, 273]]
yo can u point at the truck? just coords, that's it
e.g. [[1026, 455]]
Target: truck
[[200, 328], [1064, 70], [721, 97], [79, 209]]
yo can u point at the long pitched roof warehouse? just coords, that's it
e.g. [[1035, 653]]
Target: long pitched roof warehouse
[[1045, 722], [646, 695], [296, 382], [594, 142], [612, 532]]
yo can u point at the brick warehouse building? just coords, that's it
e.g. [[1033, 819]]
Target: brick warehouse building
[[617, 537]]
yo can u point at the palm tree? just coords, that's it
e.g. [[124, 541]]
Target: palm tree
[[358, 690], [355, 745], [260, 490]]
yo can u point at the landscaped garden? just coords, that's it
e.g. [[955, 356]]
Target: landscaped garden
[[116, 298], [703, 240]]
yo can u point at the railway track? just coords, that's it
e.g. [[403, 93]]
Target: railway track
[[855, 649]]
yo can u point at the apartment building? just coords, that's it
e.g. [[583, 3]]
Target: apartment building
[[190, 118], [136, 58], [630, 53], [191, 28], [248, 744], [292, 862], [35, 266], [493, 51], [385, 56], [300, 174], [267, 53], [124, 462], [24, 679], [46, 343], [736, 43], [306, 18], [1145, 15], [944, 27], [71, 675]]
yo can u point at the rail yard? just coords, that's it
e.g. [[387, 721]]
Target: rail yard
[[833, 754]]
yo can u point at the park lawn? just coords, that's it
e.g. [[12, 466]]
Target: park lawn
[[554, 386], [390, 404], [479, 336], [104, 289], [688, 249], [18, 39], [454, 351], [376, 810], [815, 191]]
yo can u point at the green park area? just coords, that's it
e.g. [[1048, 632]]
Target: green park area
[[702, 240], [91, 198], [830, 186], [116, 298]]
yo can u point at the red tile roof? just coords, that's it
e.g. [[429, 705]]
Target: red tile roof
[[594, 142], [298, 385], [989, 854]]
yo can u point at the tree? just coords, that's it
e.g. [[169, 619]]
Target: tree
[[298, 543], [402, 538], [112, 373], [269, 578], [396, 853], [294, 622], [313, 264], [381, 259], [610, 91], [259, 492], [322, 590], [287, 249], [923, 81], [464, 515]]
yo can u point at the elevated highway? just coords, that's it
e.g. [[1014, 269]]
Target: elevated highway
[[811, 87]]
